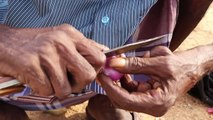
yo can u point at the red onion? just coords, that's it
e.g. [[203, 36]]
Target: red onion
[[110, 72], [210, 110]]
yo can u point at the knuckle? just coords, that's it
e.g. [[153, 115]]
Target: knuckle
[[29, 63], [49, 37], [163, 105], [90, 77], [135, 63], [52, 39], [100, 60], [46, 46], [70, 30], [66, 27], [169, 67], [170, 101], [99, 46], [58, 35]]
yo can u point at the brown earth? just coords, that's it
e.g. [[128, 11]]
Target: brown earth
[[186, 107]]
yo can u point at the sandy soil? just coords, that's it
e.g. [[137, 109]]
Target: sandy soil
[[186, 107]]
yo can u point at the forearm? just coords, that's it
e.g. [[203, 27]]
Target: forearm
[[190, 14], [200, 58]]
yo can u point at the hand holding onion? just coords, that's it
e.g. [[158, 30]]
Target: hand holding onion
[[125, 79]]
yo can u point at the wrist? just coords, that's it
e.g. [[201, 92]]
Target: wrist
[[196, 63]]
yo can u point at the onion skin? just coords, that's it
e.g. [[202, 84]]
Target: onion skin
[[110, 72], [210, 110]]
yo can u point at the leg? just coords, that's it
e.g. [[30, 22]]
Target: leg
[[100, 108], [10, 112], [190, 14]]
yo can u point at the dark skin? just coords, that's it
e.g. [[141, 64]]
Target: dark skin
[[190, 14], [43, 57], [171, 74]]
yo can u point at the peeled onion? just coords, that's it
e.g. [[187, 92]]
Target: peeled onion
[[210, 110], [110, 72]]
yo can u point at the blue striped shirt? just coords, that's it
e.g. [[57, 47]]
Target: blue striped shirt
[[109, 22]]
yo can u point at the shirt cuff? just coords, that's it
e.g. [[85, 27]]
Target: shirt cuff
[[3, 10]]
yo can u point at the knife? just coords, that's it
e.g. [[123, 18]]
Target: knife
[[132, 46]]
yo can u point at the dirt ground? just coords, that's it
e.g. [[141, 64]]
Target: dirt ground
[[186, 107]]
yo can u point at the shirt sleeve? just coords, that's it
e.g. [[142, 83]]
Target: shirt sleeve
[[3, 10]]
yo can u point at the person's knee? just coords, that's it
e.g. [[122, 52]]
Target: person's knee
[[10, 112], [100, 108]]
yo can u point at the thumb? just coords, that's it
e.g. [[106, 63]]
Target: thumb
[[133, 65]]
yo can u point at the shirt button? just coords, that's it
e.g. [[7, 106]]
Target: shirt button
[[105, 19]]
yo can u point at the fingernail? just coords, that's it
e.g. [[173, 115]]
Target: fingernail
[[117, 62]]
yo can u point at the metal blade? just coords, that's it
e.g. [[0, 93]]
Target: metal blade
[[132, 46]]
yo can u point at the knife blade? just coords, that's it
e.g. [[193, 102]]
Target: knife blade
[[131, 46]]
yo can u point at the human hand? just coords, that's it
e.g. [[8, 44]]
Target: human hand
[[44, 58], [171, 74]]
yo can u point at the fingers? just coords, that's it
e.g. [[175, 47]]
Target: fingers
[[35, 77], [133, 86], [150, 102], [129, 84], [82, 71], [115, 92], [143, 65], [135, 65], [97, 45], [70, 31], [59, 51], [82, 57], [92, 52], [56, 74], [143, 87]]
